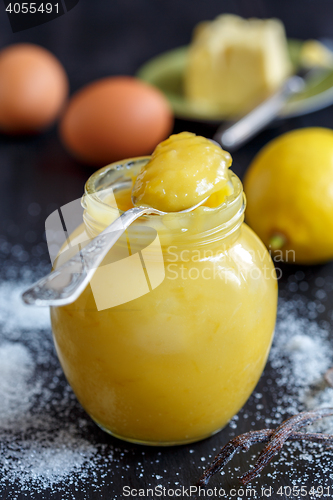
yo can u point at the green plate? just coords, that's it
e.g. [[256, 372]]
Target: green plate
[[166, 73]]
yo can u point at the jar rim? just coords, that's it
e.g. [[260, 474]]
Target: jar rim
[[101, 180]]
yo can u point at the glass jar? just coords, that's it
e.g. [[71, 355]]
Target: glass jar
[[175, 362]]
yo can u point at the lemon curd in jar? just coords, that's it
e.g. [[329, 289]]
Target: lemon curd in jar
[[173, 365]]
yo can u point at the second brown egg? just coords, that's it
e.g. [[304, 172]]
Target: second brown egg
[[115, 118]]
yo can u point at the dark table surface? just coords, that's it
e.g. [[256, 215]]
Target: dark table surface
[[95, 39]]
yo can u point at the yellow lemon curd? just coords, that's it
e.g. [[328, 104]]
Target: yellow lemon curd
[[173, 365], [183, 170]]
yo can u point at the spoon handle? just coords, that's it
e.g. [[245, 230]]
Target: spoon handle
[[64, 285], [247, 127]]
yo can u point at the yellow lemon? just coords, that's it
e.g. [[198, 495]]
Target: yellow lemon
[[289, 189]]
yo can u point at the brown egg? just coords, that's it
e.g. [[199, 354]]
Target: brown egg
[[115, 118], [33, 88]]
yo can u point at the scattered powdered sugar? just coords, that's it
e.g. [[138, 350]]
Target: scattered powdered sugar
[[42, 461], [15, 315], [45, 438], [39, 445], [300, 355], [16, 369]]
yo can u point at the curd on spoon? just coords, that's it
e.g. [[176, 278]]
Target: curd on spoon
[[183, 170]]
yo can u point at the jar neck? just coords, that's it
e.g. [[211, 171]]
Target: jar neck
[[199, 227]]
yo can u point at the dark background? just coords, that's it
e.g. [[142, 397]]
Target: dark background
[[108, 37], [99, 38]]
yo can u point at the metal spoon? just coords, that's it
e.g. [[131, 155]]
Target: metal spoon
[[66, 283], [239, 133]]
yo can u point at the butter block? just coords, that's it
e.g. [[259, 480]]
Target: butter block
[[234, 63], [315, 55]]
